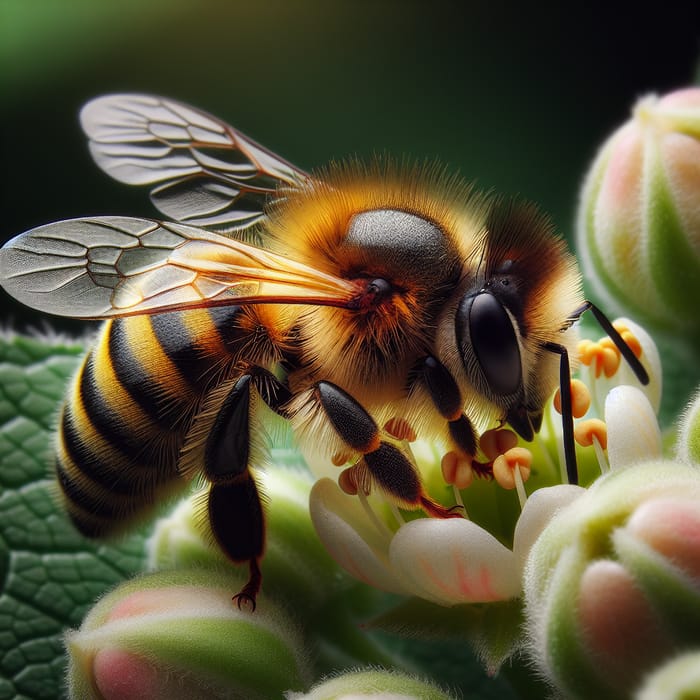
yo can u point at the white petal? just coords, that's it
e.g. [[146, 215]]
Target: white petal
[[539, 509], [453, 561], [345, 531], [633, 431]]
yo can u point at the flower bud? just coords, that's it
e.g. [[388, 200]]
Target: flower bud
[[678, 678], [688, 447], [612, 585], [374, 684], [639, 217], [178, 635]]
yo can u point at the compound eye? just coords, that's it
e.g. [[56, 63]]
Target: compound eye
[[494, 342]]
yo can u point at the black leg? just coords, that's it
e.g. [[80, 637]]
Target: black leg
[[235, 511], [391, 470], [447, 399], [238, 524]]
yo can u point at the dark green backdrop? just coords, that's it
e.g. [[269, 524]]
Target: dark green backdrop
[[515, 97]]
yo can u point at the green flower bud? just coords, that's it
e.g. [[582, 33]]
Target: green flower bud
[[178, 635], [375, 684], [612, 585], [639, 217], [678, 678]]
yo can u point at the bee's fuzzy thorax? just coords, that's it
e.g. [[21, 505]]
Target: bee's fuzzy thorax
[[316, 215]]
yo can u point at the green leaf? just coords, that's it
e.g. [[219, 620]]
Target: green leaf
[[49, 574]]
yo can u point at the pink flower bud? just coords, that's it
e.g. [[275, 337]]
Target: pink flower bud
[[612, 584], [639, 218], [178, 635]]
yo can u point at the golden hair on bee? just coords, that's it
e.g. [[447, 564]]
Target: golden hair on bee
[[312, 224]]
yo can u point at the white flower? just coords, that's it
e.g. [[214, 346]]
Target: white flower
[[448, 561]]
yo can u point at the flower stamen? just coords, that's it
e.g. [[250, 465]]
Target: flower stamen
[[456, 470], [512, 469], [355, 479], [497, 441], [381, 526], [594, 432]]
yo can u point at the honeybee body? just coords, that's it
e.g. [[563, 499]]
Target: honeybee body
[[130, 407], [378, 303]]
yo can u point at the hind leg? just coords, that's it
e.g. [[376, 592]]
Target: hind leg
[[234, 508]]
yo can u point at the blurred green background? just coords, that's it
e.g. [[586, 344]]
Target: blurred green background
[[515, 97]]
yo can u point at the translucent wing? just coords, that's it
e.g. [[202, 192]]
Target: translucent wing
[[117, 266], [204, 172]]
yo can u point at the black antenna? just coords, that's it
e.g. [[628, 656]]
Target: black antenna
[[567, 418], [625, 350]]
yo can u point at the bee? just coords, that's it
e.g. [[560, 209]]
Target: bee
[[360, 303]]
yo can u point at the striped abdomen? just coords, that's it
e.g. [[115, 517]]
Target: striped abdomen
[[130, 406]]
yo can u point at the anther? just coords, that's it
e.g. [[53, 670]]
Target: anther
[[505, 465], [355, 480], [497, 441], [580, 399], [456, 471], [340, 458], [603, 357], [633, 342], [585, 432], [594, 432], [347, 483]]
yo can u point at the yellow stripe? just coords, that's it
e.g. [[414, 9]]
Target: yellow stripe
[[203, 332], [113, 392], [155, 362]]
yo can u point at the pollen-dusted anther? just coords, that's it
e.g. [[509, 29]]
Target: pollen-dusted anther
[[504, 466], [580, 399], [585, 432], [456, 470], [497, 441], [400, 429]]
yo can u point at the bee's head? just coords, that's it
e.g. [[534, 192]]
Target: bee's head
[[515, 303]]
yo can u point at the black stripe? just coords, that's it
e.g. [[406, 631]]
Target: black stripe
[[192, 360], [131, 373], [109, 423], [225, 320], [108, 472], [96, 502]]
